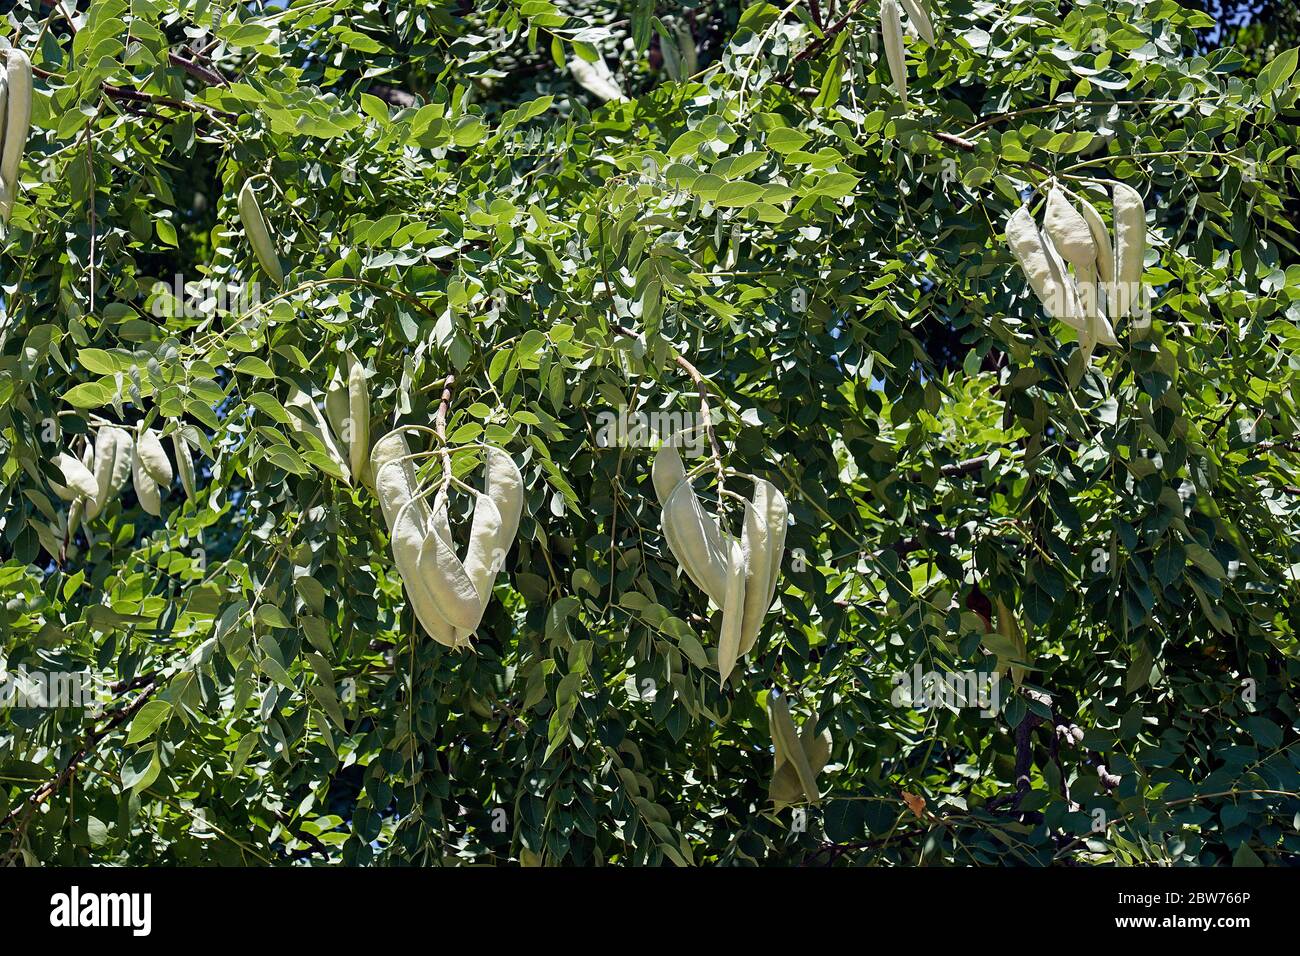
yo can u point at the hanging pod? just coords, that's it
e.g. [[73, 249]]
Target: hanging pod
[[359, 412], [737, 574], [17, 125], [596, 78], [184, 462], [789, 748], [146, 489], [408, 524], [1031, 252], [259, 237], [1130, 248], [785, 788], [489, 542], [114, 450], [920, 18], [693, 537], [449, 595], [764, 541], [310, 421], [153, 458], [80, 480], [1070, 233], [891, 32]]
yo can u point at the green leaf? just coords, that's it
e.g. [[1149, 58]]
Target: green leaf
[[146, 721]]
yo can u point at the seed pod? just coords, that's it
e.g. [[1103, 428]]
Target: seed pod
[[891, 30], [1069, 231], [693, 536], [153, 458], [399, 480], [1101, 236], [766, 530], [920, 19], [359, 413], [184, 462], [1130, 247], [408, 525], [666, 470], [480, 565], [733, 610], [81, 481], [1071, 312], [686, 46], [785, 788], [696, 542], [1032, 253], [454, 594], [250, 214], [113, 451], [754, 541], [146, 489], [596, 78], [18, 121], [786, 737], [310, 420], [336, 409], [488, 543], [4, 118]]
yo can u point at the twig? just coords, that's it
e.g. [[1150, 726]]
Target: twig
[[957, 141], [440, 426], [812, 49], [53, 786]]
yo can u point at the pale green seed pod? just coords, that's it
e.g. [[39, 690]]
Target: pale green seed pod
[[696, 542], [259, 237], [920, 18], [1031, 252], [310, 421], [113, 452], [786, 737], [1072, 310], [146, 489], [454, 594], [1130, 248], [359, 414], [18, 122], [891, 31], [1069, 231], [153, 458], [596, 78], [1101, 236], [408, 525], [184, 462], [80, 480], [764, 533], [733, 610]]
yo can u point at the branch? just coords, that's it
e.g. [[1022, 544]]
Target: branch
[[812, 49], [53, 786], [963, 468], [199, 72], [957, 141]]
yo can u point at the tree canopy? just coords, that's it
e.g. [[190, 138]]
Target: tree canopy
[[754, 231]]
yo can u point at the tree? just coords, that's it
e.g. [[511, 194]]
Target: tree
[[764, 244]]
